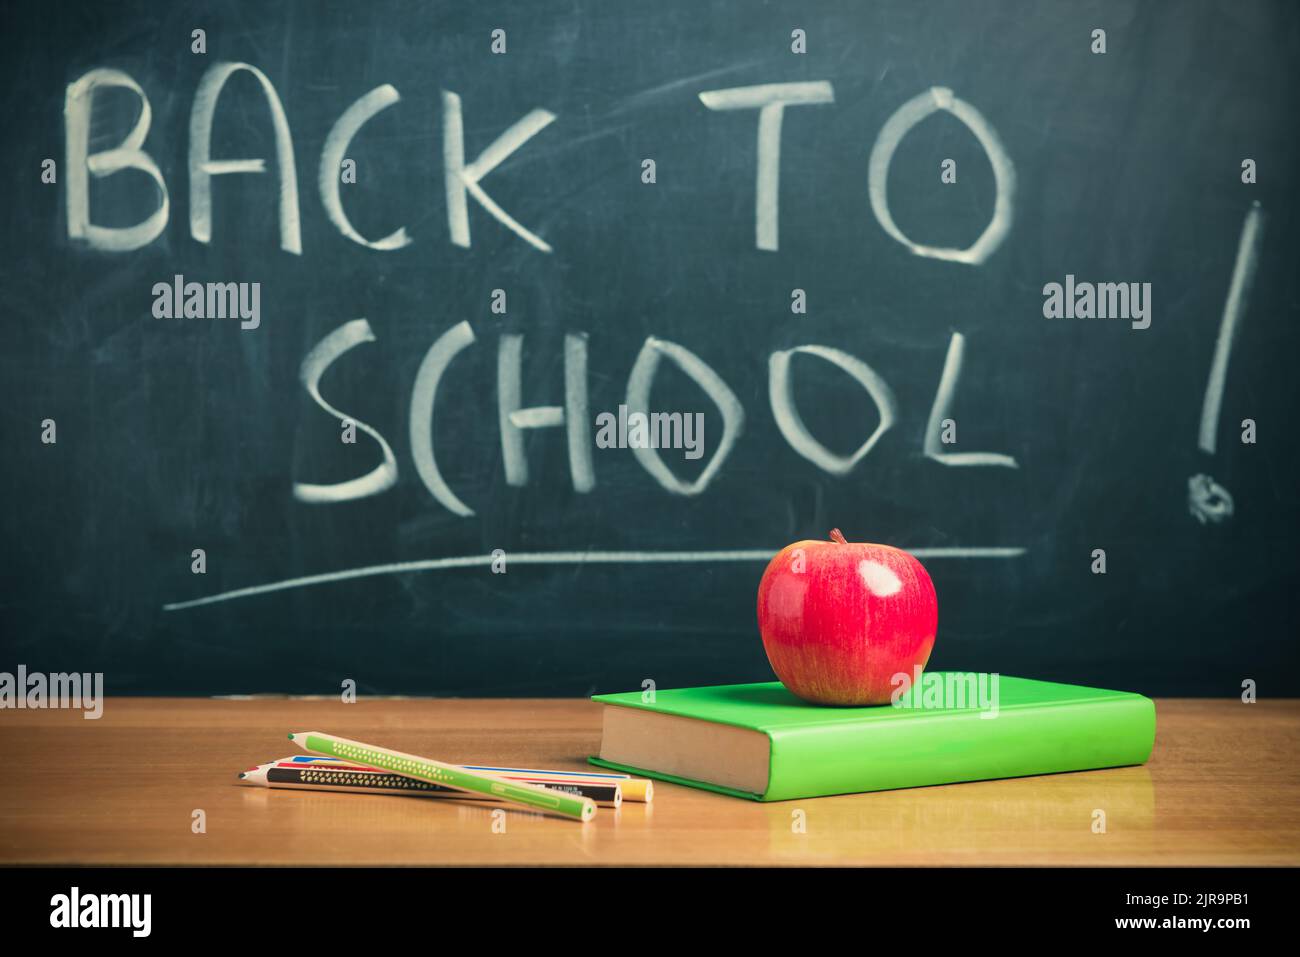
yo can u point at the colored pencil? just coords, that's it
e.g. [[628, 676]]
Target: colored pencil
[[329, 775], [640, 790], [448, 775], [634, 789]]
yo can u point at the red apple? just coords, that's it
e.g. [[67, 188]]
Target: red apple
[[840, 619]]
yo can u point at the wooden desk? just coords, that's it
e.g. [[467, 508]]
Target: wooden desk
[[1223, 788]]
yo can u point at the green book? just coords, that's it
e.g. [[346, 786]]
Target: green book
[[759, 741]]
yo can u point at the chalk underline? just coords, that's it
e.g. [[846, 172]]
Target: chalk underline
[[548, 558]]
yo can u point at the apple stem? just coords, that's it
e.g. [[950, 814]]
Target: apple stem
[[838, 537]]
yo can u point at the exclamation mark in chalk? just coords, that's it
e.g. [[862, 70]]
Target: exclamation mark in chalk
[[1207, 500]]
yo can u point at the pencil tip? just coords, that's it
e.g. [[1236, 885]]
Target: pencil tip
[[241, 774]]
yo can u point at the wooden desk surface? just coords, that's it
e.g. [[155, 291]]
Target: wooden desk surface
[[1222, 788]]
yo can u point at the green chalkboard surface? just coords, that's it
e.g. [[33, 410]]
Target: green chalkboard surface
[[327, 329]]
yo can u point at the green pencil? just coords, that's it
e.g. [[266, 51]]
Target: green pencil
[[447, 775]]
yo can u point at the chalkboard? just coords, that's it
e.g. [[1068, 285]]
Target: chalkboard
[[861, 241]]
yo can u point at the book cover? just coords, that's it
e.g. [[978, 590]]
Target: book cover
[[949, 727]]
